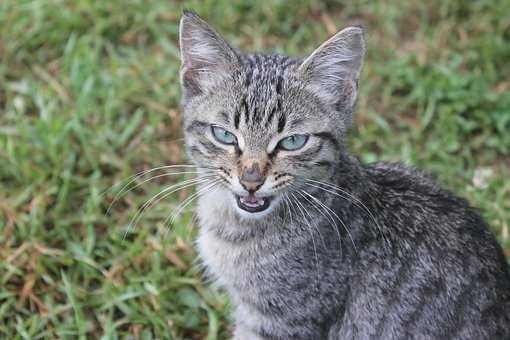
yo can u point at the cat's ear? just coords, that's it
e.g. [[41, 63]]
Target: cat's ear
[[333, 69], [205, 56]]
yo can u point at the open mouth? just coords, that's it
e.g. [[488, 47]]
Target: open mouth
[[253, 204]]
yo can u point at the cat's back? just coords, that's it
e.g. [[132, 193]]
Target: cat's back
[[438, 265], [414, 207]]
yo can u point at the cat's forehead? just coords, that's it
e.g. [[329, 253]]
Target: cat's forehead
[[268, 99], [267, 65], [260, 96], [264, 79]]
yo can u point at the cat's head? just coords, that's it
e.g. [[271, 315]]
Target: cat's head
[[266, 123]]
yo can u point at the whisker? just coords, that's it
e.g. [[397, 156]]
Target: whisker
[[329, 211], [312, 224], [136, 176], [159, 197], [188, 200], [287, 203], [285, 211], [124, 191], [353, 198], [209, 186], [313, 240]]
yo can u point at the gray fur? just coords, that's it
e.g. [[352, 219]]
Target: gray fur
[[395, 258]]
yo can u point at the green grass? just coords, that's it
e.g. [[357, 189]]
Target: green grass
[[89, 96]]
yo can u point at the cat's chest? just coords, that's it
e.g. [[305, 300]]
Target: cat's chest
[[237, 266], [274, 290], [274, 280], [286, 258], [231, 263]]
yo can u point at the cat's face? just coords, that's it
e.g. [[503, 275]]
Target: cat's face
[[262, 137], [265, 124]]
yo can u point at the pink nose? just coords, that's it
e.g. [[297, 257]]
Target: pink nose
[[251, 178]]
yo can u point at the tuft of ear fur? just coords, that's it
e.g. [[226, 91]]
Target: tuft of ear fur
[[332, 70], [205, 56]]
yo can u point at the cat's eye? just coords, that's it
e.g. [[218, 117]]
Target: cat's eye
[[293, 142], [223, 136]]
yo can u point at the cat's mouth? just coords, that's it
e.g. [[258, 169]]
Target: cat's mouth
[[253, 204]]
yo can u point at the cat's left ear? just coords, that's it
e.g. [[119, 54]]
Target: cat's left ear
[[332, 70]]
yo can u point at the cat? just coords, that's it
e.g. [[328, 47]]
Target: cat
[[308, 242]]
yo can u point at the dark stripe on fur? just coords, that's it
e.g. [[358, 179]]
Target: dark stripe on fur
[[210, 147], [237, 117], [281, 123], [296, 122], [276, 107], [195, 150], [329, 137], [245, 110], [324, 163], [197, 126], [309, 155], [249, 74], [403, 276]]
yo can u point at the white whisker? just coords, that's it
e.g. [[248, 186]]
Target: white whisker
[[160, 196], [353, 199], [293, 199], [140, 174], [125, 191], [287, 202], [330, 212], [209, 186], [311, 224]]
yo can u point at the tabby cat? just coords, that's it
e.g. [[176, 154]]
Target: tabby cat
[[309, 242]]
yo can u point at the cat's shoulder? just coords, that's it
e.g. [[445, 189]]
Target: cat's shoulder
[[397, 175], [419, 200], [402, 182], [427, 221], [418, 209]]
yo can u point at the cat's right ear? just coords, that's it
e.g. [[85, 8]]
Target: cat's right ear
[[205, 56]]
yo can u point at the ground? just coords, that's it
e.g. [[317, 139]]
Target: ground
[[89, 96]]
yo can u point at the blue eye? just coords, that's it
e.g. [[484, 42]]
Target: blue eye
[[293, 142], [223, 136]]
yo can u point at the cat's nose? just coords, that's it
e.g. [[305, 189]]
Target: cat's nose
[[251, 177]]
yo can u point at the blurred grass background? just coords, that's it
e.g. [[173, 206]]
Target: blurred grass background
[[89, 96]]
